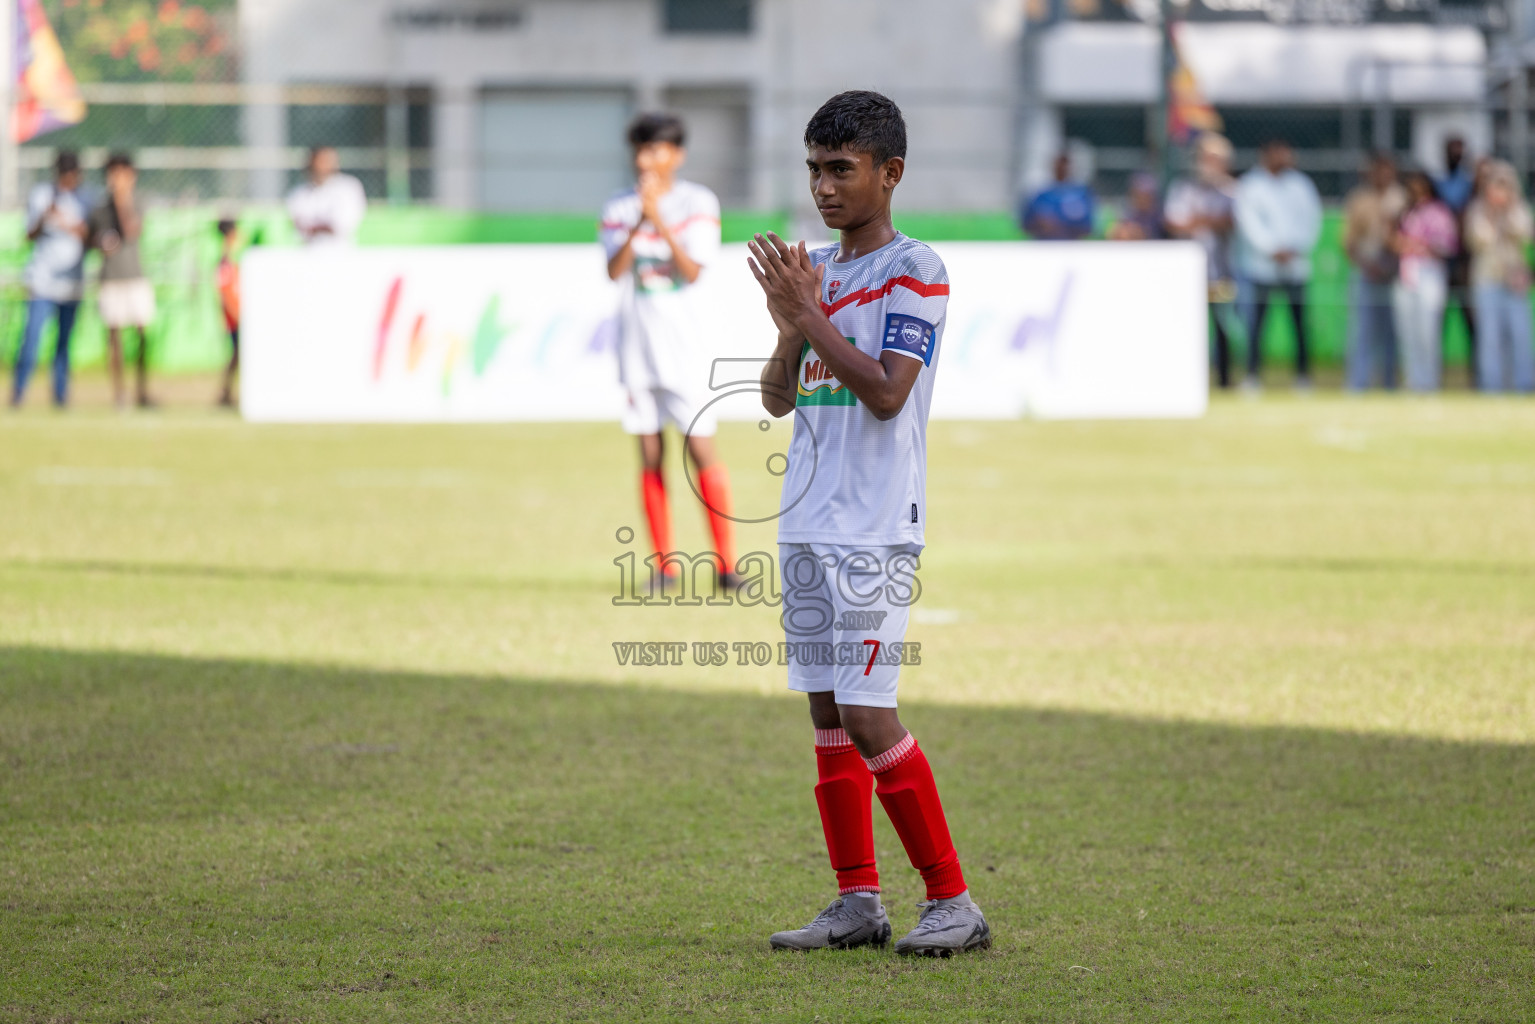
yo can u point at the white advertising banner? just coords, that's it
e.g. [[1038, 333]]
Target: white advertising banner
[[527, 332]]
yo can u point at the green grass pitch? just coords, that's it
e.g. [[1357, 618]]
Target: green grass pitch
[[1233, 719]]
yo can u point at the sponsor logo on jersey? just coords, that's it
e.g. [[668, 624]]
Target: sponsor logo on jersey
[[656, 275], [817, 385]]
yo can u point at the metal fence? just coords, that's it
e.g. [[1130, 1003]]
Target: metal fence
[[202, 142]]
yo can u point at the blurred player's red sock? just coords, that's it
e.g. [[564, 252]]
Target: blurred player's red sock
[[910, 796], [653, 487], [844, 795], [714, 482]]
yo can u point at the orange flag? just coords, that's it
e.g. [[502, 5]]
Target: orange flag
[[47, 97], [1188, 111]]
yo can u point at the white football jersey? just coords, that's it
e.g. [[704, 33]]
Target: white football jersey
[[660, 343], [854, 479]]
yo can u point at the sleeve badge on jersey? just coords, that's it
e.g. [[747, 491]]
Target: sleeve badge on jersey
[[909, 334]]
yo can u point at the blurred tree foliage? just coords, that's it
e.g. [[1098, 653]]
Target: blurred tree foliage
[[147, 40]]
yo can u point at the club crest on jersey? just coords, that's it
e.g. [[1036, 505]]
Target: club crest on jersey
[[909, 334], [831, 290]]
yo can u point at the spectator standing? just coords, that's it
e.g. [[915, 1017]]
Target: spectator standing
[[329, 207], [1498, 227], [1370, 216], [1279, 218], [1062, 211], [1142, 217], [1456, 188], [228, 280], [1424, 241], [125, 299], [55, 275], [1200, 208]]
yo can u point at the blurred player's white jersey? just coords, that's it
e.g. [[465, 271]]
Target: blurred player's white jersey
[[853, 479], [663, 359]]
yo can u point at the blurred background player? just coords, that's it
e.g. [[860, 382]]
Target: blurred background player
[[1279, 219], [126, 298], [1199, 208], [1141, 219], [860, 324], [1370, 217], [55, 274], [228, 280], [1425, 239], [1499, 227], [1456, 188], [1061, 211], [658, 237], [329, 207]]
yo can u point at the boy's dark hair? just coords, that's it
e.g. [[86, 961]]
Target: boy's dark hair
[[117, 160], [862, 121], [67, 162], [225, 226], [1415, 176], [649, 128]]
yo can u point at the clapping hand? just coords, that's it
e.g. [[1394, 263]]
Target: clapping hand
[[789, 279], [650, 197]]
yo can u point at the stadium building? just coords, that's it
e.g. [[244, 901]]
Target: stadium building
[[519, 106], [1332, 76]]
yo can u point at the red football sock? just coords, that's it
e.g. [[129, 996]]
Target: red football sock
[[653, 488], [910, 796], [844, 796], [714, 482]]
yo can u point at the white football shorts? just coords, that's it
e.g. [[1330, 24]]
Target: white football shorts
[[648, 410], [845, 612], [126, 303]]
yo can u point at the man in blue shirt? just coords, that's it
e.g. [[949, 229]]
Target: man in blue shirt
[[1062, 211], [54, 276], [1458, 183], [1456, 188]]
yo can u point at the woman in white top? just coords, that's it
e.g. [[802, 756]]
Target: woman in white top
[[1498, 227]]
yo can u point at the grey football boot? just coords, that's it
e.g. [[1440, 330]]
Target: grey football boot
[[946, 927], [857, 919]]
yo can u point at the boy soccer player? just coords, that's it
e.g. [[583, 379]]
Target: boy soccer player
[[859, 328], [658, 237]]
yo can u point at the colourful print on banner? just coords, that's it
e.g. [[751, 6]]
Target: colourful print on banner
[[381, 343], [489, 333], [817, 386], [47, 97], [417, 347]]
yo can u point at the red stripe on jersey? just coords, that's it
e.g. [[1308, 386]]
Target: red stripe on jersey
[[696, 217], [677, 228], [864, 296], [649, 232]]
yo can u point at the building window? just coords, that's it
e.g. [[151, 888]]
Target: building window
[[720, 17], [718, 122], [553, 150]]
